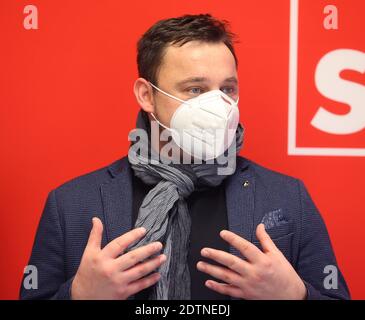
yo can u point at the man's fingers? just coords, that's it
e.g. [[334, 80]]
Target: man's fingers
[[224, 288], [264, 238], [229, 260], [220, 273], [143, 283], [247, 249], [144, 268], [95, 234], [131, 258], [118, 245]]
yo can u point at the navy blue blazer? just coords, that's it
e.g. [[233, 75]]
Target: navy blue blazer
[[254, 194]]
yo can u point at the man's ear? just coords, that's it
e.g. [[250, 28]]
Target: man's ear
[[144, 95]]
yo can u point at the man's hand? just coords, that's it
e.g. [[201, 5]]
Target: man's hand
[[106, 274], [266, 274]]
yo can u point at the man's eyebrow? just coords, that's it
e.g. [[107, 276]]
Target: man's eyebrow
[[192, 80], [231, 79]]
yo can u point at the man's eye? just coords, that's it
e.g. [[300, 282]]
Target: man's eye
[[195, 90], [229, 90]]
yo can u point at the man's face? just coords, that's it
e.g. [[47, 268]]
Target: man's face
[[193, 69]]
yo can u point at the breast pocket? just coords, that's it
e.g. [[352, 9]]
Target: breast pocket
[[283, 243]]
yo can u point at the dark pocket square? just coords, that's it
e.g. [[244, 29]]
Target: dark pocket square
[[277, 223], [274, 218]]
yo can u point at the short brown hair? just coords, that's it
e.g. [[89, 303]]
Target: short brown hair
[[178, 31]]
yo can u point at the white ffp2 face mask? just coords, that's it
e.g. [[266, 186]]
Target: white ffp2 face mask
[[204, 126]]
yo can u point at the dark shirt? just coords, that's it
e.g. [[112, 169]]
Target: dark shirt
[[208, 213]]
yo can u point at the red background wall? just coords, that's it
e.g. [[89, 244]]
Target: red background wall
[[66, 107]]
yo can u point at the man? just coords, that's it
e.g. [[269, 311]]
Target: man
[[177, 230]]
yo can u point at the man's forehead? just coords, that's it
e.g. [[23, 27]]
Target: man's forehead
[[199, 61]]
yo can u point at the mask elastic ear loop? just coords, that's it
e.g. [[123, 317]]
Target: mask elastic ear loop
[[162, 125], [167, 94]]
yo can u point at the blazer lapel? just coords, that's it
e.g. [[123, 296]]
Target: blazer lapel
[[117, 200], [240, 192]]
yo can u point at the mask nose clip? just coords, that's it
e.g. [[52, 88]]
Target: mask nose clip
[[226, 100]]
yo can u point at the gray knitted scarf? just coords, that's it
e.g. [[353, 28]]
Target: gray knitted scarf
[[164, 211]]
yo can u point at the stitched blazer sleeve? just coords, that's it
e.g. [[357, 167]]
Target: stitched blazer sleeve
[[315, 253], [48, 257]]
